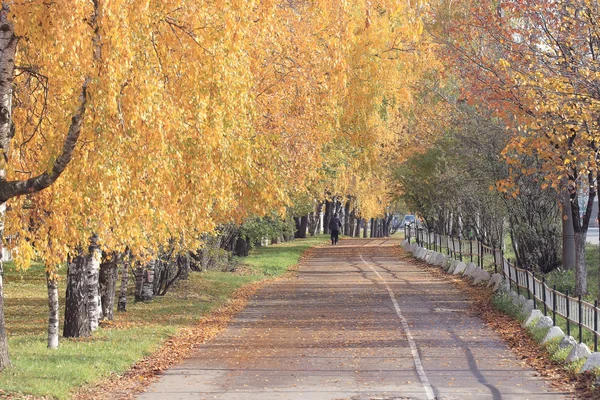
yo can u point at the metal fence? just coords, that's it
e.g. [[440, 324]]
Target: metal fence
[[575, 312]]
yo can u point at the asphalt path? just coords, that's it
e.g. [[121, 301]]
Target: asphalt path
[[355, 323]]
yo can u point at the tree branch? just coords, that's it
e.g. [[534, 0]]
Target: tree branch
[[38, 183]]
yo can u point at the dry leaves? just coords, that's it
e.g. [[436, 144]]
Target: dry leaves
[[532, 353], [173, 351]]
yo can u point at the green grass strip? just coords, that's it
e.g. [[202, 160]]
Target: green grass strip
[[138, 332]]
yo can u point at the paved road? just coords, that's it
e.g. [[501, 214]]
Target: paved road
[[355, 324], [592, 236]]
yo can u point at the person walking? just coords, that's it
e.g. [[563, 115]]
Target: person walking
[[334, 226]]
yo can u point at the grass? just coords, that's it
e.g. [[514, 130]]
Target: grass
[[565, 279], [133, 335]]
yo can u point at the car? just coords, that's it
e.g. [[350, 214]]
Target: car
[[409, 220]]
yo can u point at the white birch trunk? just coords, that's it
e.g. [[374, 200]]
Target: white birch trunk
[[580, 268], [52, 312], [92, 273], [148, 285], [122, 305]]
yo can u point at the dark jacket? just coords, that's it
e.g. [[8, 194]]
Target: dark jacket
[[335, 224]]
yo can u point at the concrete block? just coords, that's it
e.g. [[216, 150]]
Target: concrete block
[[533, 317], [553, 333], [470, 268], [567, 342], [592, 362], [578, 352], [453, 265], [434, 258], [496, 282], [440, 260], [430, 256], [527, 307], [544, 323], [482, 276], [460, 268]]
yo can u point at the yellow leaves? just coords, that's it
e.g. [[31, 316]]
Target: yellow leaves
[[24, 254]]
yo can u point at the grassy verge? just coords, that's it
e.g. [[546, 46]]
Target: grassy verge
[[132, 336]]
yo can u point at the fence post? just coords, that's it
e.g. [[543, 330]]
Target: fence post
[[595, 325], [459, 248], [434, 241], [544, 295], [568, 315], [501, 260], [553, 304], [527, 285], [579, 320], [517, 281], [533, 282], [509, 276]]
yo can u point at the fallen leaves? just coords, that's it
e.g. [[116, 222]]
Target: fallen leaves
[[524, 346], [173, 351]]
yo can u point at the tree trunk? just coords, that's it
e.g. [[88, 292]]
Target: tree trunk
[[52, 286], [122, 306], [357, 230], [139, 281], [319, 219], [4, 357], [8, 49], [76, 304], [301, 234], [92, 275], [327, 216], [580, 267], [347, 219], [241, 248], [108, 286], [185, 267], [568, 234], [148, 285], [365, 228], [580, 227], [373, 228], [297, 230]]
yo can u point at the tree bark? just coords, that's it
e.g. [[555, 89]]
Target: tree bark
[[241, 248], [303, 226], [52, 286], [568, 239], [148, 283], [580, 226], [4, 356], [76, 305], [122, 305], [373, 228], [365, 227], [327, 216], [347, 219], [580, 269], [139, 281], [185, 267], [108, 285], [92, 275]]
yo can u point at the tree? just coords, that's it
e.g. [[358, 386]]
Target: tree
[[531, 62]]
